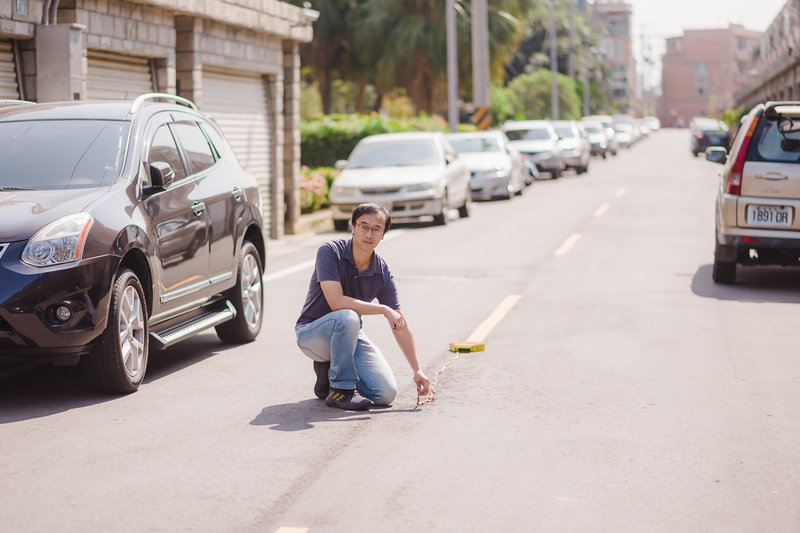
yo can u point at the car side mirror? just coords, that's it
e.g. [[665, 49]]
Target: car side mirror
[[161, 174], [716, 154], [340, 164]]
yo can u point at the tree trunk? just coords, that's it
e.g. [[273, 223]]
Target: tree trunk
[[324, 85]]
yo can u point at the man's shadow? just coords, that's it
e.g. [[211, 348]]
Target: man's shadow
[[304, 414]]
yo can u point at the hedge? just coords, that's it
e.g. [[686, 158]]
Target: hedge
[[325, 140]]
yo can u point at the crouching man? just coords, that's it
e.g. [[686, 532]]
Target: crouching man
[[348, 275]]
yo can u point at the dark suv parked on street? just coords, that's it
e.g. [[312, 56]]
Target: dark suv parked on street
[[125, 226]]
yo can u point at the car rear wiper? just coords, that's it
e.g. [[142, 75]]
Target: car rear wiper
[[15, 189]]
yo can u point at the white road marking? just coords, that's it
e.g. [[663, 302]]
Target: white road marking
[[289, 271], [569, 243], [482, 331], [620, 192], [602, 210]]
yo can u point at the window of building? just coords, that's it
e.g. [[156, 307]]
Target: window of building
[[701, 79]]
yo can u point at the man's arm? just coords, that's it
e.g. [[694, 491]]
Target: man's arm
[[405, 340], [336, 299]]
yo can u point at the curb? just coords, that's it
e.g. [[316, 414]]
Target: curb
[[314, 222]]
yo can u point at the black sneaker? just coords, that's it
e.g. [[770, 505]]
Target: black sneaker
[[350, 400], [322, 386]]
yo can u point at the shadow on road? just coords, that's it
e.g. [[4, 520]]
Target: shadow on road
[[302, 415], [49, 390], [758, 284]]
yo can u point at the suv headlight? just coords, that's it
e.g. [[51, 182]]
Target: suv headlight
[[61, 241], [420, 187], [344, 191]]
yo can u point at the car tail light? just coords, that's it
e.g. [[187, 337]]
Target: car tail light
[[733, 184]]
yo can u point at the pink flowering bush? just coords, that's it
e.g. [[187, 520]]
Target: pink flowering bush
[[314, 186]]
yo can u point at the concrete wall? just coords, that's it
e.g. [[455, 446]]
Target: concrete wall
[[181, 38]]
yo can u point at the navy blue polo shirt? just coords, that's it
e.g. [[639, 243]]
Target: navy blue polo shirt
[[335, 263]]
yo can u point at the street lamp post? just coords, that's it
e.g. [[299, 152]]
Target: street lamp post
[[452, 68]]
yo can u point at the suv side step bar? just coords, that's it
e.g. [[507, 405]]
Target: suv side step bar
[[166, 338]]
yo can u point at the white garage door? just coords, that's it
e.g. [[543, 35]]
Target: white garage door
[[117, 77], [8, 74], [238, 104]]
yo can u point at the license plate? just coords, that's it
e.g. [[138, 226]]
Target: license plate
[[769, 215]]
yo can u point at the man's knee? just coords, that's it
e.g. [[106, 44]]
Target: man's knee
[[347, 320], [386, 395]]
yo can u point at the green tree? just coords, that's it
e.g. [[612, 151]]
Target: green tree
[[530, 96]]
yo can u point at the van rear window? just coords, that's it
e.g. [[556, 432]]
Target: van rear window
[[774, 145]]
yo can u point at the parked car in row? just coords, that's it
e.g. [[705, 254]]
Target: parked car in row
[[758, 199], [573, 145], [126, 226], [598, 138], [536, 140], [707, 132], [496, 169], [608, 123], [414, 175]]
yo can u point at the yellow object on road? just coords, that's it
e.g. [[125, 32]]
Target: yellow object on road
[[466, 346]]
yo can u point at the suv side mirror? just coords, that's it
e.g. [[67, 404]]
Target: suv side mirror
[[716, 154], [161, 174], [340, 164]]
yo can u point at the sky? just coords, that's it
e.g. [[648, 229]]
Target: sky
[[654, 20]]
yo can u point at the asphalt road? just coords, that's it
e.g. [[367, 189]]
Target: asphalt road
[[623, 390]]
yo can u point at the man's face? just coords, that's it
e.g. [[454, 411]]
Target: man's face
[[368, 229]]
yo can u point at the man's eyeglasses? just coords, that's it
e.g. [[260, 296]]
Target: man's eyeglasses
[[367, 229]]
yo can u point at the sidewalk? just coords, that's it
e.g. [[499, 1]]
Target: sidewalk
[[312, 230]]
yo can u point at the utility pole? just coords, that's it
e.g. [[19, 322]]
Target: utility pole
[[553, 63], [452, 67], [480, 63]]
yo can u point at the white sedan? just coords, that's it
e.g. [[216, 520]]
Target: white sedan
[[496, 168], [414, 175]]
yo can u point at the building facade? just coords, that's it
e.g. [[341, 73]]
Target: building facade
[[238, 60], [776, 72], [613, 22], [702, 70]]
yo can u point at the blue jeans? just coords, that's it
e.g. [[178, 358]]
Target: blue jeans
[[356, 363]]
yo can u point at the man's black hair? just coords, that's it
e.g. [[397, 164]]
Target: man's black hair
[[371, 209]]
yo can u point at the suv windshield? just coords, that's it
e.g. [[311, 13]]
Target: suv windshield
[[61, 154], [394, 154], [774, 145], [475, 144], [533, 134]]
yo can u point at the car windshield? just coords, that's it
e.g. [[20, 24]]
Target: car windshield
[[565, 132], [528, 134], [710, 125], [61, 154], [475, 144], [400, 153], [591, 128], [774, 145]]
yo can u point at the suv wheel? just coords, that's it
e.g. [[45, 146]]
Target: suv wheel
[[465, 210], [442, 219], [118, 360], [247, 296], [723, 271]]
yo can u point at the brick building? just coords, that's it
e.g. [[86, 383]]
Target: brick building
[[238, 60], [612, 18], [702, 70], [776, 72]]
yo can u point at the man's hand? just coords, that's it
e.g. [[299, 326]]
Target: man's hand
[[422, 382], [396, 320]]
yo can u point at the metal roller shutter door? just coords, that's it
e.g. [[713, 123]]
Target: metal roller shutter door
[[8, 73], [238, 104], [117, 77]]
